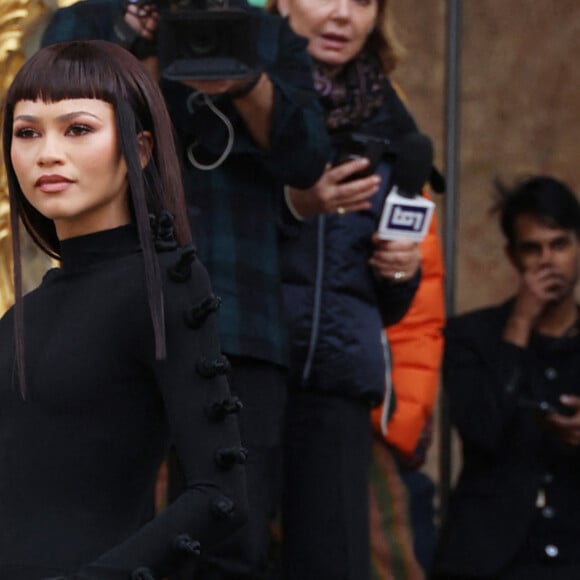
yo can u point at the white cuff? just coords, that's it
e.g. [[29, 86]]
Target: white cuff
[[290, 205]]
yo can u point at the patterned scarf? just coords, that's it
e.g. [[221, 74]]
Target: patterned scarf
[[354, 94]]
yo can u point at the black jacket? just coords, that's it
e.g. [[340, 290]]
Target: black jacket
[[507, 456], [336, 306]]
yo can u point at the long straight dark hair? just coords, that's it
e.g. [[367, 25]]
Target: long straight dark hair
[[100, 70]]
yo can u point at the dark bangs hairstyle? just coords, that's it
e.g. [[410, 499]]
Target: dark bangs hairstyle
[[382, 40], [542, 197], [101, 70]]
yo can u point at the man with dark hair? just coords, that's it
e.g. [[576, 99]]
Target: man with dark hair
[[513, 375]]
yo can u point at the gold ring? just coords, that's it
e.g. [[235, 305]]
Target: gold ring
[[399, 275], [340, 210]]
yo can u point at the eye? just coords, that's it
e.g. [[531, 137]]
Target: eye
[[78, 129], [25, 133], [560, 243]]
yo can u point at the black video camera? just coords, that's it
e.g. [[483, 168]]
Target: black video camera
[[206, 40]]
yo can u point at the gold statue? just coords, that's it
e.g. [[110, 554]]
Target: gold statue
[[21, 23]]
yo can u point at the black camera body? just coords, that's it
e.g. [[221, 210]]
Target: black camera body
[[206, 40], [357, 145]]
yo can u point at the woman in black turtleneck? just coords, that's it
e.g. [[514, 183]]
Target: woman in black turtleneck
[[116, 352]]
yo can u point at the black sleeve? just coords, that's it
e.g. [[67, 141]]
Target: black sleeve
[[204, 429], [96, 20], [300, 146], [484, 382], [88, 20], [394, 299]]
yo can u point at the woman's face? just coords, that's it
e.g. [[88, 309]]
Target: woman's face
[[336, 29], [68, 163]]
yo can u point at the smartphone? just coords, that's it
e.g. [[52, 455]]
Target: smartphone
[[358, 145]]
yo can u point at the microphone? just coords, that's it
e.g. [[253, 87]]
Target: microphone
[[406, 213]]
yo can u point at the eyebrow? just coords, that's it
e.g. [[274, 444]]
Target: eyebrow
[[65, 117], [557, 239]]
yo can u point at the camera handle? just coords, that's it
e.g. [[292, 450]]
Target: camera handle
[[199, 97]]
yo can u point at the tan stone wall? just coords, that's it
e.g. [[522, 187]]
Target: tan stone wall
[[520, 112]]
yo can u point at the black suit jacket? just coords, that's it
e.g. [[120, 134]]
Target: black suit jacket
[[507, 454]]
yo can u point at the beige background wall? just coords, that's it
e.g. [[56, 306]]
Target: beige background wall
[[520, 111]]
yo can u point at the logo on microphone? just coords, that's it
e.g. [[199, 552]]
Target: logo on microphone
[[407, 218]]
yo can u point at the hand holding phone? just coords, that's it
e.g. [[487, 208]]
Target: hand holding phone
[[360, 145], [566, 426]]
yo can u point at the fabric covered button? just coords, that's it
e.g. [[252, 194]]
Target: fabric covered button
[[181, 270], [197, 315], [551, 551], [551, 374], [219, 410], [210, 368], [548, 478], [548, 512], [142, 574], [184, 544], [162, 228], [222, 507], [513, 382], [227, 457]]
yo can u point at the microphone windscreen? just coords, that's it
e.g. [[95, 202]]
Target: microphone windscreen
[[413, 164]]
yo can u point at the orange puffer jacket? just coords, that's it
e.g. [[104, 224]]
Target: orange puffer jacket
[[416, 344]]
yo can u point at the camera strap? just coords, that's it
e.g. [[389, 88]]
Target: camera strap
[[200, 98]]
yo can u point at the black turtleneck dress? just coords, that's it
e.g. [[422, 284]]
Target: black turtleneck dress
[[79, 456]]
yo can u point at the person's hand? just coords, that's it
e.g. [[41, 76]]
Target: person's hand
[[566, 428], [238, 87], [538, 287], [332, 194], [143, 19], [397, 260]]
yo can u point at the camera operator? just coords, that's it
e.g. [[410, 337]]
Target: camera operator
[[252, 135], [513, 375]]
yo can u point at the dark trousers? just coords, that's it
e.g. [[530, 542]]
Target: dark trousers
[[261, 386], [325, 506]]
